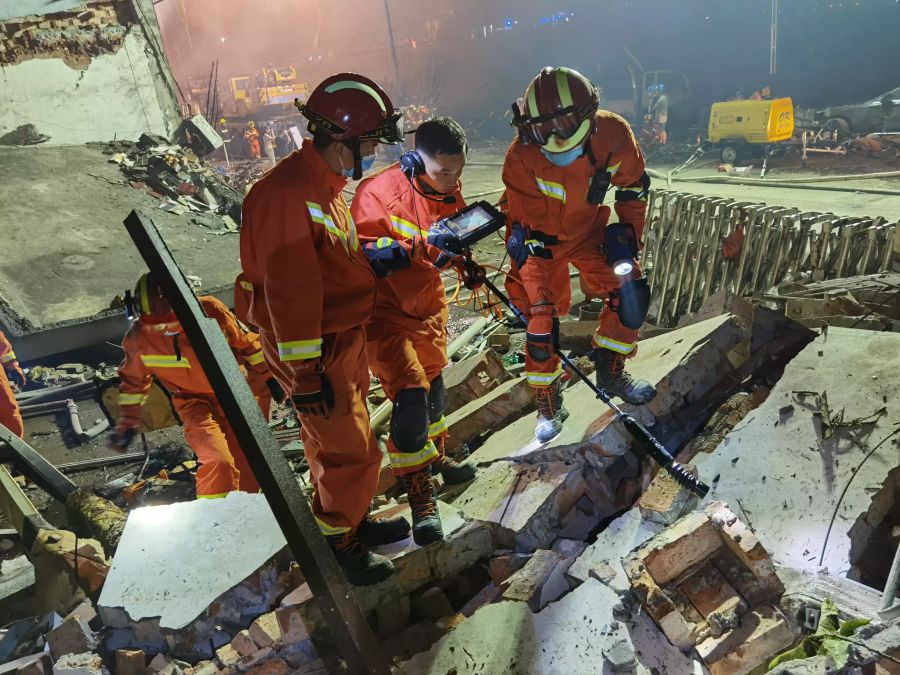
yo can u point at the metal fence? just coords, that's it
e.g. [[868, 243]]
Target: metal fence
[[683, 260]]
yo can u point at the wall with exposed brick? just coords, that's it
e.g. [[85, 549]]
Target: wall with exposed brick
[[93, 73]]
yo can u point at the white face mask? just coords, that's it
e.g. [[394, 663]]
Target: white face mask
[[367, 163]]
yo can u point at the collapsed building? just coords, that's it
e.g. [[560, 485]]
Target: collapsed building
[[776, 380]]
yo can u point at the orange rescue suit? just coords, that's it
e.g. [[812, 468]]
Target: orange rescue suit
[[407, 337], [312, 290], [550, 201], [252, 136], [156, 350], [10, 417]]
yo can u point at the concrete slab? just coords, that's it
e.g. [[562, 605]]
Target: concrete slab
[[684, 364], [802, 468], [169, 563], [577, 634], [507, 403], [66, 253], [524, 503]]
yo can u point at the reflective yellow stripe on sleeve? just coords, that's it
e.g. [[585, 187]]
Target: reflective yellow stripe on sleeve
[[256, 358], [8, 358], [317, 215], [164, 361], [131, 399], [405, 228], [246, 285], [299, 350], [550, 189]]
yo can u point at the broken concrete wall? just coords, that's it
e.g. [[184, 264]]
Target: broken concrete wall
[[93, 73]]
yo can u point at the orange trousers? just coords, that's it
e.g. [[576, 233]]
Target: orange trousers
[[9, 408], [343, 455], [550, 294], [404, 359], [223, 466]]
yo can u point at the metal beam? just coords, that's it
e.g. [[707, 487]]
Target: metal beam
[[35, 467], [352, 634], [19, 510]]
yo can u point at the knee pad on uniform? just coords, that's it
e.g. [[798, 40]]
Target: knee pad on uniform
[[409, 420], [437, 399], [542, 337], [634, 302]]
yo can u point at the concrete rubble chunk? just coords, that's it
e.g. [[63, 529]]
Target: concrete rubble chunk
[[228, 656], [72, 636], [813, 665], [665, 500], [80, 664], [525, 503], [153, 537], [789, 461], [39, 665], [505, 404], [250, 661], [244, 644], [527, 584], [274, 666], [432, 604], [685, 365], [130, 662], [502, 566], [583, 630], [487, 595], [473, 378], [762, 633]]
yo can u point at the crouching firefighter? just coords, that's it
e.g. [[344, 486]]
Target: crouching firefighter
[[156, 347], [557, 174], [407, 335]]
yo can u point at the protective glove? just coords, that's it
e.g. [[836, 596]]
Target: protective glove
[[445, 241], [275, 389], [315, 403], [122, 435], [515, 245], [386, 256], [16, 374]]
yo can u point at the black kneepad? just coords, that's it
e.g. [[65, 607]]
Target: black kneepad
[[634, 302], [409, 420], [437, 399]]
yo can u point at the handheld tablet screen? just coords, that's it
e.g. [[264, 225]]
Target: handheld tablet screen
[[470, 221]]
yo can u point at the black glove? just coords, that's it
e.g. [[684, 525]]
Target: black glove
[[515, 245], [386, 256], [122, 436], [16, 375], [316, 403], [446, 241], [275, 389]]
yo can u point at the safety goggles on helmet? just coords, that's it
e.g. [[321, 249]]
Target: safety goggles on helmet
[[564, 124], [390, 131]]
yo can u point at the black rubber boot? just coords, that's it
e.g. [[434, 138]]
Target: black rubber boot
[[361, 566], [612, 377], [380, 531], [426, 525]]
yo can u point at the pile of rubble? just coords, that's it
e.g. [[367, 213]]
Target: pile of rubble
[[183, 182]]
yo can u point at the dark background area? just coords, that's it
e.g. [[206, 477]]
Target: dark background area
[[472, 58]]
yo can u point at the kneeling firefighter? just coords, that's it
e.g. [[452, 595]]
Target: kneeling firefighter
[[557, 174], [407, 335], [154, 346]]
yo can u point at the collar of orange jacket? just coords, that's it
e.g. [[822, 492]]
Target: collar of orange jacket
[[317, 164]]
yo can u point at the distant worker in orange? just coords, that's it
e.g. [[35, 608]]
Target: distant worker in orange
[[557, 175], [251, 135], [10, 417], [311, 290], [155, 346], [407, 337]]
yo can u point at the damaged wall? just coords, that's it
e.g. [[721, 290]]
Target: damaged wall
[[94, 73]]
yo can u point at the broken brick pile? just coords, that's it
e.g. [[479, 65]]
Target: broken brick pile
[[75, 36]]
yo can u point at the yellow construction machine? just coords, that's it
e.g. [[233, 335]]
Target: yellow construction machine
[[268, 90], [735, 127]]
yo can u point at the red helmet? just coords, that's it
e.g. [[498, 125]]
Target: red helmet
[[148, 303], [558, 110], [351, 107]]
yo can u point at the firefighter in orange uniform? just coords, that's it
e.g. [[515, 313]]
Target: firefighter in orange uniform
[[155, 346], [11, 370], [569, 154], [251, 135], [407, 337], [311, 291]]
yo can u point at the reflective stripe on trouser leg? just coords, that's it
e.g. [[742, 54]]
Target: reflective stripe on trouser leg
[[404, 463], [613, 345], [438, 429], [544, 379], [204, 433]]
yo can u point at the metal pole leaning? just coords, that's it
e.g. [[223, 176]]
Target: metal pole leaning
[[352, 634]]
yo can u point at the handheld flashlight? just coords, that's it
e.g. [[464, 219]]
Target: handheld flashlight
[[621, 248]]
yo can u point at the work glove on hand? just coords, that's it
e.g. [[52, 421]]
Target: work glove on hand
[[122, 435], [16, 375], [516, 246], [445, 241], [316, 399], [386, 256]]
